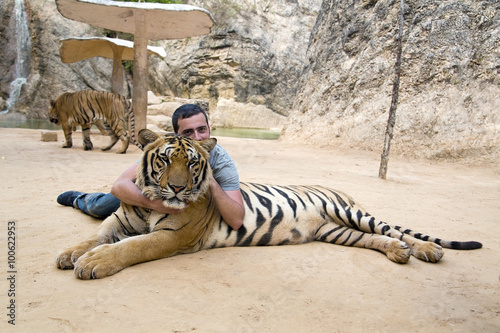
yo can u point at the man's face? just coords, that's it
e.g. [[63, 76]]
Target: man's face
[[195, 127]]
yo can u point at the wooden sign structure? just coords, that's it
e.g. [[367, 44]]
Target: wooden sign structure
[[146, 21], [80, 48]]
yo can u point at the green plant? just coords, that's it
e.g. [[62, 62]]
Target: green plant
[[128, 65]]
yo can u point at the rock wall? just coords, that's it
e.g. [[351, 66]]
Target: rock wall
[[255, 56], [330, 74], [449, 105]]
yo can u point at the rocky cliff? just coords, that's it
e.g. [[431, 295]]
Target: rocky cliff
[[255, 55], [449, 105], [328, 76]]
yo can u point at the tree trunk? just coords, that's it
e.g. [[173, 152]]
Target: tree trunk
[[140, 80], [382, 173]]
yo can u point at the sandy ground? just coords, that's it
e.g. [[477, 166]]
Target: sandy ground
[[314, 287]]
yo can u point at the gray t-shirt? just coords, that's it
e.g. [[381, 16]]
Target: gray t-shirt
[[224, 169]]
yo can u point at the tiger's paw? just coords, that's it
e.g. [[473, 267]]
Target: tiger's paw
[[427, 251], [67, 145], [66, 258], [88, 146], [398, 251], [97, 263]]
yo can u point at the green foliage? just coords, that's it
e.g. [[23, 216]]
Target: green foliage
[[128, 66]]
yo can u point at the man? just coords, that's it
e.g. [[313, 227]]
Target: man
[[189, 120]]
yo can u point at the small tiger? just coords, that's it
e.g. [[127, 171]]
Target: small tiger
[[87, 107], [175, 169]]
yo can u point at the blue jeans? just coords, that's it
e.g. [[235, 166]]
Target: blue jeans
[[99, 205]]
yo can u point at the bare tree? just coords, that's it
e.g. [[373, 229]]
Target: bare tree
[[382, 173]]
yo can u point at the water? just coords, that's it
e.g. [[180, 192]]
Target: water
[[45, 124], [23, 48], [250, 133]]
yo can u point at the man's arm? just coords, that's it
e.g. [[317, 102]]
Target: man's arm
[[127, 191], [229, 204]]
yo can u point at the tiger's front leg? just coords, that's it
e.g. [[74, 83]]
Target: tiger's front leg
[[108, 259], [68, 131], [106, 233], [67, 258], [87, 144]]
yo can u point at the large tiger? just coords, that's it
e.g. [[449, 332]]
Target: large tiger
[[89, 107], [175, 169]]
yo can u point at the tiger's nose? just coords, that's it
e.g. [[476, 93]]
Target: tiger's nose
[[176, 188]]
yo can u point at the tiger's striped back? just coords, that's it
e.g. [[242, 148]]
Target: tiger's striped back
[[308, 213], [87, 107]]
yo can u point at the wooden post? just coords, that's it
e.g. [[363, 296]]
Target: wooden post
[[140, 81], [117, 76]]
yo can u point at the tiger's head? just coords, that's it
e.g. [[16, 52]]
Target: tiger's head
[[53, 112], [174, 168]]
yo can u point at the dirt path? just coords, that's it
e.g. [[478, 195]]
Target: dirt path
[[308, 288]]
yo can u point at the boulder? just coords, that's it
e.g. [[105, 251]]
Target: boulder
[[49, 136]]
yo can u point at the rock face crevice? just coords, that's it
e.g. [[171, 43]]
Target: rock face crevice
[[450, 82]]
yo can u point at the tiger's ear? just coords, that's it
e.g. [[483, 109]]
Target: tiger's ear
[[208, 144], [146, 136]]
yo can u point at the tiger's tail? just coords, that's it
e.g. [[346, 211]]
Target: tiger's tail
[[131, 119], [456, 245]]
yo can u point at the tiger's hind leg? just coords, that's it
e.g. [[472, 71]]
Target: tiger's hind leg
[[118, 132], [111, 133], [345, 213], [114, 140], [394, 249], [125, 142], [122, 134], [102, 126], [425, 250]]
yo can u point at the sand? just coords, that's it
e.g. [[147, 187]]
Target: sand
[[314, 287]]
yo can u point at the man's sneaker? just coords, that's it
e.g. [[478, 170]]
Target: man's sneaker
[[67, 198]]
